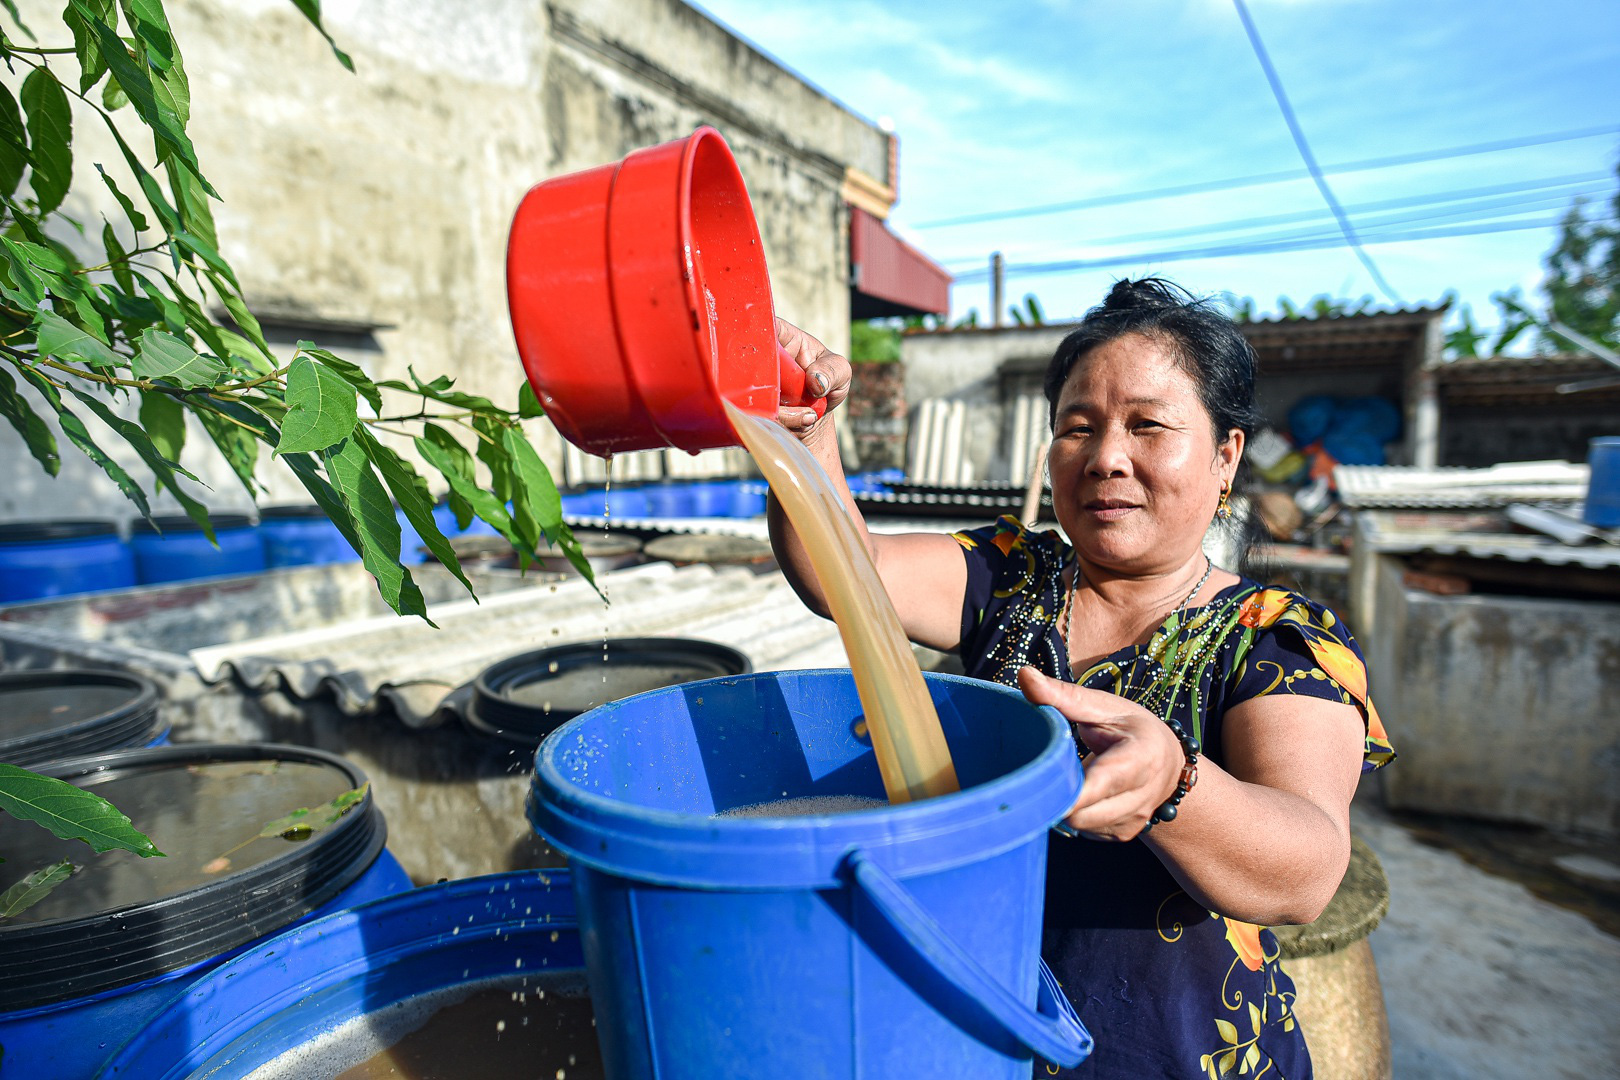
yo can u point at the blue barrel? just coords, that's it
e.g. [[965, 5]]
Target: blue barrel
[[587, 503], [58, 558], [894, 941], [95, 959], [49, 716], [712, 498], [748, 498], [670, 499], [626, 501], [181, 551], [301, 536], [369, 961], [1603, 489]]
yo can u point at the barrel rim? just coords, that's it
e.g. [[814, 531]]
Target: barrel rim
[[89, 735], [57, 530], [164, 524], [667, 847], [222, 915]]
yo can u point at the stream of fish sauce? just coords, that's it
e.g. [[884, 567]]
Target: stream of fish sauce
[[906, 736]]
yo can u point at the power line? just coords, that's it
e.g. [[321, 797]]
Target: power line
[[1570, 183], [1320, 242], [1257, 179], [1307, 156]]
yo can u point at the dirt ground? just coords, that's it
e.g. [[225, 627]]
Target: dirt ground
[[1499, 956]]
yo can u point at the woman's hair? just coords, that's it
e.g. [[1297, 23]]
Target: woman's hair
[[1204, 343]]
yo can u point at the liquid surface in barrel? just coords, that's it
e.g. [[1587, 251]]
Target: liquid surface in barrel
[[906, 736], [511, 1029]]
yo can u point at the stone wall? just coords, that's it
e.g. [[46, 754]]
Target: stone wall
[[369, 211], [876, 415]]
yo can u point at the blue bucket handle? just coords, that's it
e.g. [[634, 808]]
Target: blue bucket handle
[[1051, 1029]]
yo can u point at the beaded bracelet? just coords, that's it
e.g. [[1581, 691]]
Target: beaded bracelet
[[1190, 747]]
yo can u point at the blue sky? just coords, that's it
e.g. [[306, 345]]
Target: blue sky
[[1002, 107]]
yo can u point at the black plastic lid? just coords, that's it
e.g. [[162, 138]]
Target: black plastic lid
[[34, 532], [301, 510], [199, 909], [179, 523], [523, 698], [54, 715]]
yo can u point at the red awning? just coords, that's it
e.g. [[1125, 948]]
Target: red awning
[[888, 277]]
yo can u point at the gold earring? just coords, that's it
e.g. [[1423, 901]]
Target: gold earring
[[1223, 509]]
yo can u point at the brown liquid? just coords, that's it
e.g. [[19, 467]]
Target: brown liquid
[[500, 1031], [910, 746]]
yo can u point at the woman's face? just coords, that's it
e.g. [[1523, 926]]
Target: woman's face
[[1136, 470]]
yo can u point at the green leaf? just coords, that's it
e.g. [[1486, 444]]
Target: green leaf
[[161, 118], [244, 318], [22, 286], [364, 497], [136, 218], [164, 419], [192, 202], [528, 405], [321, 409], [156, 45], [11, 6], [312, 12], [113, 97], [50, 132], [70, 813], [34, 888], [239, 448], [86, 46], [439, 390], [161, 467], [326, 497], [64, 341], [491, 450], [439, 449], [164, 356], [79, 436], [13, 144], [411, 492], [461, 462], [309, 819], [537, 492], [34, 431], [192, 316], [352, 373]]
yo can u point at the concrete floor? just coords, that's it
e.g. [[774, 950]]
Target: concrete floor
[[1483, 977]]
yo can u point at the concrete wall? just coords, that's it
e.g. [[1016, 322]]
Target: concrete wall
[[1501, 707], [986, 370], [382, 198]]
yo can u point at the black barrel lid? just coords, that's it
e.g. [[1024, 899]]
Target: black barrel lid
[[122, 919], [180, 523], [295, 510], [35, 532], [53, 715], [524, 698]]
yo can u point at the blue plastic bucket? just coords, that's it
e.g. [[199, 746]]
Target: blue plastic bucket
[[181, 552], [301, 536], [1603, 489], [669, 500], [587, 503], [289, 990], [712, 498], [59, 558], [50, 716], [895, 941], [748, 499], [626, 501], [99, 956]]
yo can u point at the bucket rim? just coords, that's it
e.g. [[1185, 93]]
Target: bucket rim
[[137, 716], [669, 847]]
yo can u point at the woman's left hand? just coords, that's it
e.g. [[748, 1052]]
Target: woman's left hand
[[1135, 759]]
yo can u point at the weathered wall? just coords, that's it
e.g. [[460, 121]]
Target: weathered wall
[[1500, 707], [382, 198]]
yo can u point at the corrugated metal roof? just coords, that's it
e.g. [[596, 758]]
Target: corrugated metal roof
[[1387, 535], [1370, 486], [888, 272]]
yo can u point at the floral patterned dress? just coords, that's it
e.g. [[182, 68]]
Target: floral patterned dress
[[1166, 987]]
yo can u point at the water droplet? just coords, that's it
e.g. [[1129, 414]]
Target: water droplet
[[500, 1026]]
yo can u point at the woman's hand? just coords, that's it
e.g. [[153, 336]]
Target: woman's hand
[[1135, 759], [826, 375]]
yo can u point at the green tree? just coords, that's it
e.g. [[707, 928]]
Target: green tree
[[1582, 286], [132, 333]]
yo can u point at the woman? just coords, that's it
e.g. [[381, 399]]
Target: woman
[[1230, 720]]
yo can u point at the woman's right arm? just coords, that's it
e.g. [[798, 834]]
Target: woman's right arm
[[924, 574]]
